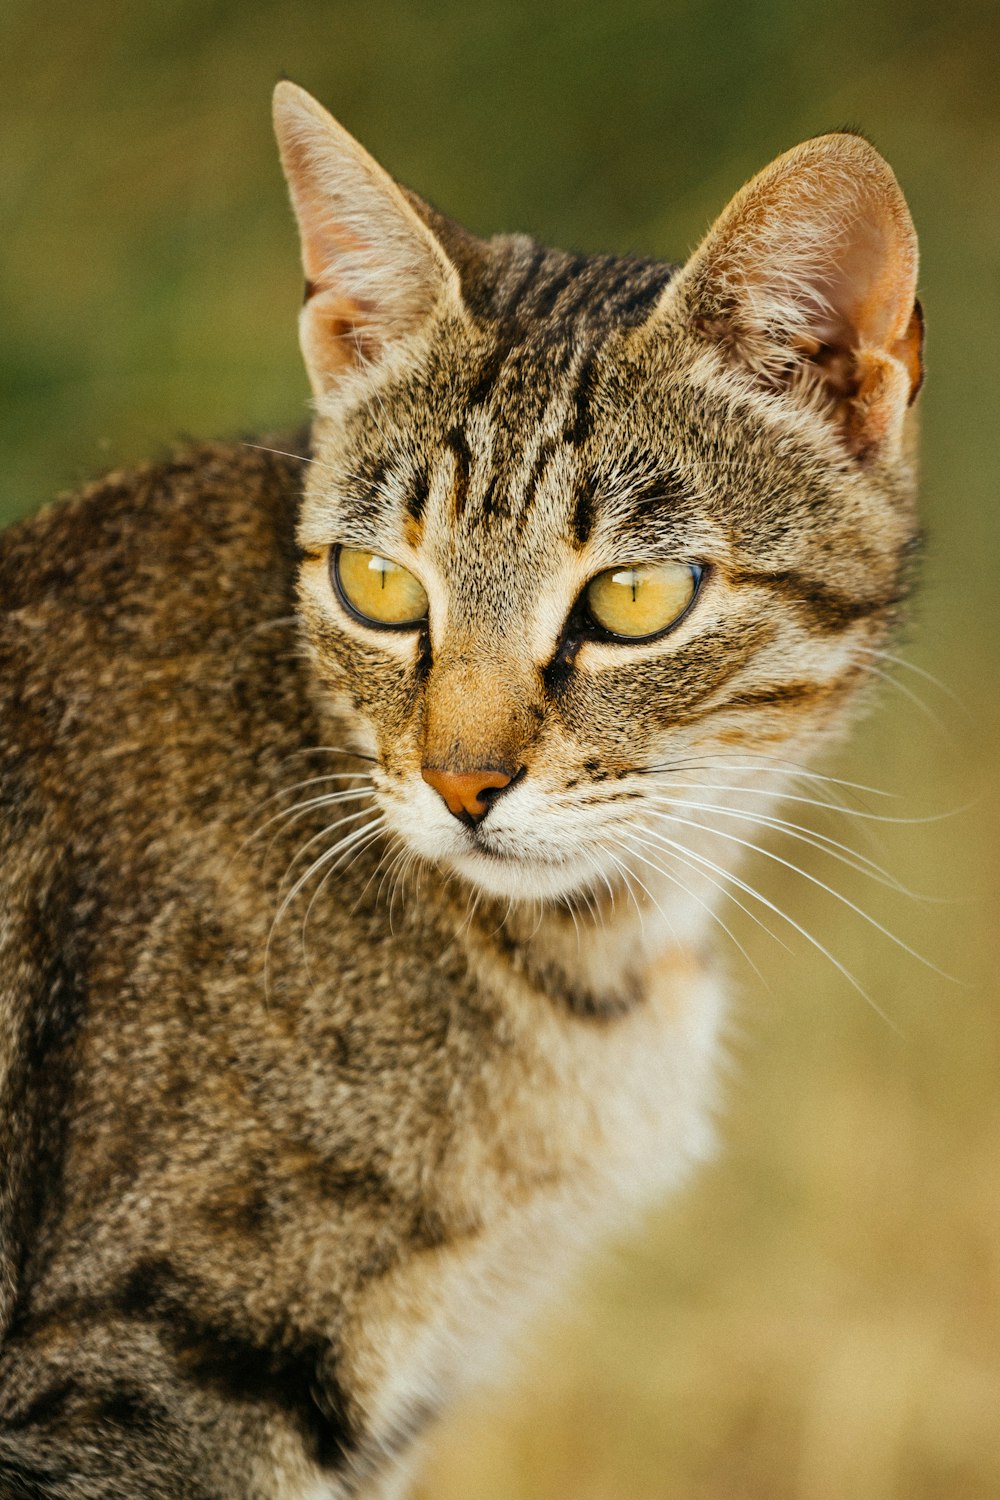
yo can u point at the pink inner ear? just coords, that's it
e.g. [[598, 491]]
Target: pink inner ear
[[851, 309], [873, 283], [338, 332], [325, 245]]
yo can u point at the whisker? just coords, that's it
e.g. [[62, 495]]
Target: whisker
[[635, 900], [337, 850], [611, 894], [813, 880], [723, 890], [910, 666], [693, 895], [398, 856], [571, 908], [303, 458], [822, 842], [914, 698], [410, 861], [299, 810], [322, 834], [756, 895], [330, 750], [295, 786], [358, 849], [781, 766], [385, 860], [838, 807]]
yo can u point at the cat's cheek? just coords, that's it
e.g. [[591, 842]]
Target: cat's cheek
[[350, 728]]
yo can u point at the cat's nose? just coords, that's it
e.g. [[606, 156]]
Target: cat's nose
[[466, 793]]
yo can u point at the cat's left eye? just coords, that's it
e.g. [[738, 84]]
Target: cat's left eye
[[376, 590], [638, 602]]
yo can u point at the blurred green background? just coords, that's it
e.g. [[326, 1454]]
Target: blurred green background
[[819, 1315]]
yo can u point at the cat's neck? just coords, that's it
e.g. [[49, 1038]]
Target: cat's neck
[[594, 954]]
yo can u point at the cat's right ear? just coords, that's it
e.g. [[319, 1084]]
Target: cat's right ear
[[374, 271]]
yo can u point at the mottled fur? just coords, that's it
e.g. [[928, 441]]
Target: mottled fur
[[283, 1158]]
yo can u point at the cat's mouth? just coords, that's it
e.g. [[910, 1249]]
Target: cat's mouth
[[518, 873], [520, 858]]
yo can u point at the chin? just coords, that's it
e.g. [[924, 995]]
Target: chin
[[521, 878]]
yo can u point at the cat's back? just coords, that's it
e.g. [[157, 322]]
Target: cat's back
[[142, 570], [124, 612], [148, 681]]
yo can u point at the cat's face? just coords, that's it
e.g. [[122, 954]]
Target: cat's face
[[584, 541]]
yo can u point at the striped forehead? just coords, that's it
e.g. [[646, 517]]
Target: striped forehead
[[504, 509], [520, 491]]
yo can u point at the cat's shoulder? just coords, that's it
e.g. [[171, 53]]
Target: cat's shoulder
[[128, 610], [135, 537]]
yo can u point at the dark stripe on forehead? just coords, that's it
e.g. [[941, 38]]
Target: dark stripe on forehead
[[525, 286], [494, 503], [459, 445], [366, 492], [581, 422], [582, 520], [828, 607], [548, 289], [416, 496], [486, 378], [546, 449], [651, 510]]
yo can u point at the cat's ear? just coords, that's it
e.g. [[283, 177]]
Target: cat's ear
[[374, 271], [808, 281]]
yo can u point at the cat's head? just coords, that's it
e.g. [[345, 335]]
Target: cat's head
[[578, 528]]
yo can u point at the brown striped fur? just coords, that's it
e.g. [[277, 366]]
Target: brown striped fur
[[304, 1104]]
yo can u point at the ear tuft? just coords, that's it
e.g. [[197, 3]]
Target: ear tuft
[[808, 280], [374, 271]]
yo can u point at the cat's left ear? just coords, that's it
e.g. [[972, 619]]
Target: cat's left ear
[[375, 273], [808, 281]]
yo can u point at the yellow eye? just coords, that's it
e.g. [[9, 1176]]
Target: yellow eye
[[643, 600], [376, 590]]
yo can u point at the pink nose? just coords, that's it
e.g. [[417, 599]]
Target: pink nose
[[463, 790]]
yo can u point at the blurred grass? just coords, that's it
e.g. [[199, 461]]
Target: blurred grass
[[819, 1315]]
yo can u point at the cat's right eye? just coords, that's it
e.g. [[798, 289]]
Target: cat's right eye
[[376, 590]]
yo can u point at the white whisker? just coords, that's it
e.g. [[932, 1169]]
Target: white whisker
[[776, 765], [283, 453], [335, 852], [813, 880], [910, 666], [779, 795], [907, 692], [756, 895], [322, 834], [635, 837], [299, 809], [356, 851], [822, 842]]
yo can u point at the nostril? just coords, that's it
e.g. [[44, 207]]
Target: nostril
[[489, 794], [468, 795]]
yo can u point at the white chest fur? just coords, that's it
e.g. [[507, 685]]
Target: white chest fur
[[579, 1125]]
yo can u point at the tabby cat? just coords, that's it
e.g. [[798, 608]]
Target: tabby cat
[[360, 847]]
